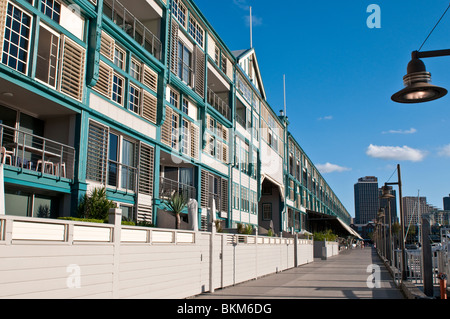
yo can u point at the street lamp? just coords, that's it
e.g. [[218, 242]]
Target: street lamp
[[387, 194], [381, 220], [418, 88], [402, 220]]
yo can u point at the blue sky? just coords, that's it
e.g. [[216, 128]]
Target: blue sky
[[340, 75]]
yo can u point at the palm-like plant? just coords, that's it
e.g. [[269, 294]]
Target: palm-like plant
[[176, 203]]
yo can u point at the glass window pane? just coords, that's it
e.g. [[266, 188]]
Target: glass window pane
[[47, 57], [17, 203]]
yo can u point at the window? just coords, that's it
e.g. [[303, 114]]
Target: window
[[134, 104], [179, 11], [174, 132], [121, 162], [51, 9], [47, 56], [16, 39], [117, 89], [173, 99], [136, 69], [236, 196], [185, 106], [196, 31], [128, 212], [185, 148], [267, 211], [119, 57], [184, 63]]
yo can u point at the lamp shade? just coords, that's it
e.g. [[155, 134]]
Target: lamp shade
[[418, 88]]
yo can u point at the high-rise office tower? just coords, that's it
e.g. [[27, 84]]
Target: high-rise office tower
[[447, 203], [366, 199]]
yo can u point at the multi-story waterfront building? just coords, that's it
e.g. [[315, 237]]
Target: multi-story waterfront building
[[144, 98]]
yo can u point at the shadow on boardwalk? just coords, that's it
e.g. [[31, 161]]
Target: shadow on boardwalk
[[340, 277]]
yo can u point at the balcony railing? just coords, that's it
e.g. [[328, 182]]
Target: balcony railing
[[220, 105], [168, 188], [120, 15], [31, 152]]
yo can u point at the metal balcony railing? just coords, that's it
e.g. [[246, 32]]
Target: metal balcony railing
[[122, 17], [220, 105], [31, 152], [168, 187]]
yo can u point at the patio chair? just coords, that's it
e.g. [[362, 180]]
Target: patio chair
[[6, 155], [48, 167], [56, 167]]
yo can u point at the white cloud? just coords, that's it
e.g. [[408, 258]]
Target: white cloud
[[404, 153], [243, 5], [444, 151], [410, 131], [331, 168], [326, 118]]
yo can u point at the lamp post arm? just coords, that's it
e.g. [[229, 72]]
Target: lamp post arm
[[430, 54]]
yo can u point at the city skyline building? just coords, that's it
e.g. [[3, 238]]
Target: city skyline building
[[366, 199], [446, 201]]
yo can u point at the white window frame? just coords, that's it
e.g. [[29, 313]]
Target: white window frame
[[113, 93], [58, 35], [135, 100], [8, 55]]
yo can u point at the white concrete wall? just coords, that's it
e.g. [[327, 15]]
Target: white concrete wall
[[62, 259]]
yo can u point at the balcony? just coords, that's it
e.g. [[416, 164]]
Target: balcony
[[125, 16], [170, 187], [31, 152], [219, 104]]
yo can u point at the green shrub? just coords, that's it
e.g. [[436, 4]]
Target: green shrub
[[97, 221], [95, 206], [325, 236]]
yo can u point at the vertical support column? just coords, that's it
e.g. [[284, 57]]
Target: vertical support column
[[296, 250], [427, 263], [115, 218], [212, 221]]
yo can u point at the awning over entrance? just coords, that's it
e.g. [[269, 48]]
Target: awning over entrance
[[320, 222]]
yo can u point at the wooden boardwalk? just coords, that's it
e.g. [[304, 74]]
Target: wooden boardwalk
[[341, 277]]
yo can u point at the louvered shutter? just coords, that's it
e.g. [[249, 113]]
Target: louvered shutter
[[150, 79], [225, 133], [149, 106], [107, 46], [104, 83], [224, 197], [146, 175], [225, 153], [199, 71], [97, 150], [72, 69], [174, 47], [166, 130], [205, 189], [194, 141]]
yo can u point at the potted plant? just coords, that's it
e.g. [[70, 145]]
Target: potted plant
[[176, 203]]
